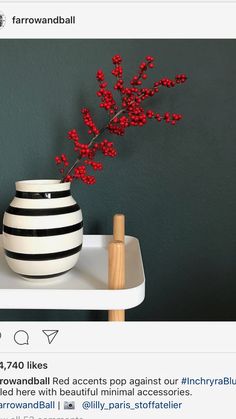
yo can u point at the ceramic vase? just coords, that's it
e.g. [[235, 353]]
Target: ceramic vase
[[42, 229]]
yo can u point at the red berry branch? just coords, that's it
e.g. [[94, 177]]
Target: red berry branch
[[129, 113]]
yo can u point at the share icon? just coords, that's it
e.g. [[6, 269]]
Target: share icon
[[51, 334]]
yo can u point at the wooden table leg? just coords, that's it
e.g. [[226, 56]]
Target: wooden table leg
[[119, 227], [116, 268], [116, 274]]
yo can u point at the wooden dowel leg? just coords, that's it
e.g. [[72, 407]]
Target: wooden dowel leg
[[119, 227], [116, 274], [116, 315]]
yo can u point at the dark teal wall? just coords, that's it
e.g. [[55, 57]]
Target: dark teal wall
[[176, 185]]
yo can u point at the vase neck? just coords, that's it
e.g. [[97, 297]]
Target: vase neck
[[43, 186]]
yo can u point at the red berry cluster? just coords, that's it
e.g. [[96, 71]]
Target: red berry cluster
[[107, 148], [63, 161], [107, 100], [117, 59], [130, 113], [180, 78], [87, 153], [73, 135], [137, 80], [133, 113], [80, 172], [167, 117], [118, 72], [89, 122], [100, 75], [95, 165]]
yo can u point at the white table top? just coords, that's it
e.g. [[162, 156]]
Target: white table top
[[84, 287]]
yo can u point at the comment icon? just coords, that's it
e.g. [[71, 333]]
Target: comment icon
[[21, 337]]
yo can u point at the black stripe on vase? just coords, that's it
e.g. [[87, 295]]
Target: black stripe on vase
[[42, 195], [42, 232], [43, 256], [42, 211], [45, 276]]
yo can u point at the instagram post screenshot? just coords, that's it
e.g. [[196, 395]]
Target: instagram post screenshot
[[117, 246]]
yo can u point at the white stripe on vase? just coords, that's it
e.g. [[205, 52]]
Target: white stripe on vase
[[43, 203], [48, 267], [33, 245], [42, 185], [50, 221]]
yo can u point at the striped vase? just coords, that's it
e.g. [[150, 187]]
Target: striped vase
[[42, 229]]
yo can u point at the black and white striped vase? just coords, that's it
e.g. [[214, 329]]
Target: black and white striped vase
[[42, 229]]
